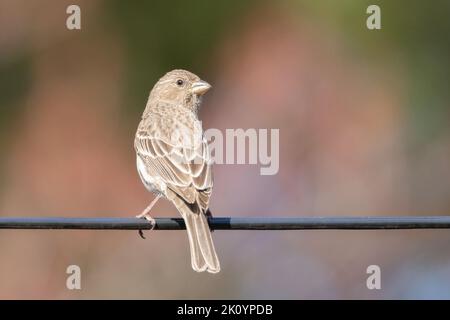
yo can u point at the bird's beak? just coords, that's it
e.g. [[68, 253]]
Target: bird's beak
[[200, 87]]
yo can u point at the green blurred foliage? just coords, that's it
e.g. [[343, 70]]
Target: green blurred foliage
[[422, 32], [164, 35], [161, 35], [15, 81], [415, 34]]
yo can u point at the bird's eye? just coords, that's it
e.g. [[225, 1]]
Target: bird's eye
[[180, 82]]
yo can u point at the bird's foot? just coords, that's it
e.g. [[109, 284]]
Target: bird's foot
[[146, 216]]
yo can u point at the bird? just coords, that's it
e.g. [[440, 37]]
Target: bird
[[174, 162]]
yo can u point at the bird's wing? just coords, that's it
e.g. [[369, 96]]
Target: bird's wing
[[185, 168]]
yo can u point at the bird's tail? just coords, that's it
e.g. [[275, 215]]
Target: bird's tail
[[203, 253]]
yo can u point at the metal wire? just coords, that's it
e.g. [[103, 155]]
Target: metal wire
[[234, 223]]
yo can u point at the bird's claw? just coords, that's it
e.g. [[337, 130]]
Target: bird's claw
[[149, 219]]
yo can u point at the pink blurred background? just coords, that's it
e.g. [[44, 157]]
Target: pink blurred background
[[363, 118]]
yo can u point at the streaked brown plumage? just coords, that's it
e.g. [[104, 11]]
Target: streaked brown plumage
[[173, 159]]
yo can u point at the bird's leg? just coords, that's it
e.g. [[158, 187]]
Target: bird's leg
[[145, 214]]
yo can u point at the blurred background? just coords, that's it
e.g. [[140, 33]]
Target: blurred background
[[364, 130]]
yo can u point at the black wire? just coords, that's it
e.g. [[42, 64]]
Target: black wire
[[234, 223]]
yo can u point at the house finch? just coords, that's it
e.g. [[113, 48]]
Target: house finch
[[173, 159]]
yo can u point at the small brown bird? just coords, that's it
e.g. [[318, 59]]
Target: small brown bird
[[173, 159]]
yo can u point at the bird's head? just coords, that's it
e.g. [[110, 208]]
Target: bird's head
[[180, 87]]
